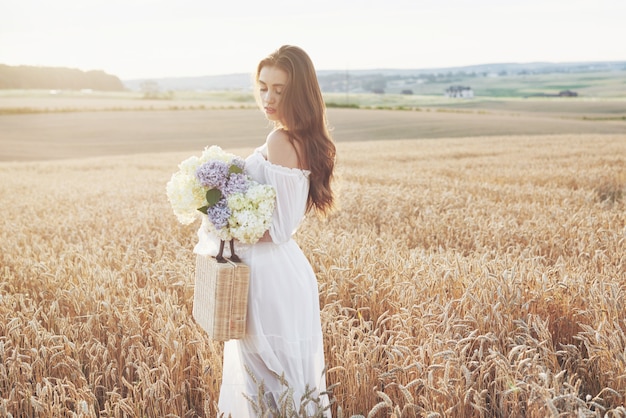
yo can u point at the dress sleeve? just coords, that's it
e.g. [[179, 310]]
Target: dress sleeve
[[292, 190]]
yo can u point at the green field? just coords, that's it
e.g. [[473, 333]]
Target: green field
[[589, 85]]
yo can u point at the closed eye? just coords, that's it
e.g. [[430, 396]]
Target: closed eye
[[265, 89], [276, 88]]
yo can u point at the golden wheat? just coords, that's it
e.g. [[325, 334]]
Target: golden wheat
[[471, 277]]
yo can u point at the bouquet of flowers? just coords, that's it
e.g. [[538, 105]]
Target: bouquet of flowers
[[216, 185]]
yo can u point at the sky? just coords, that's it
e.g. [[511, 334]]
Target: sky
[[166, 38]]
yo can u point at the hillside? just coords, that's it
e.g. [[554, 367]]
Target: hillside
[[56, 78], [591, 79]]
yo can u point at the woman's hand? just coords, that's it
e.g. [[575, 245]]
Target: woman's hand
[[266, 237]]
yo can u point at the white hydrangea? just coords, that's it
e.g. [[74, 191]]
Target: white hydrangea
[[251, 212], [189, 166], [215, 153], [186, 195]]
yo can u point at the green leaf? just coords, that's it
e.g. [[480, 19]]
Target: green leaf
[[213, 196], [235, 169], [204, 209]]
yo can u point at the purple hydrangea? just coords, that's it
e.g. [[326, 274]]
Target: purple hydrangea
[[219, 214], [237, 183], [213, 174]]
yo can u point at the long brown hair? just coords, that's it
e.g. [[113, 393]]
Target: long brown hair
[[304, 119]]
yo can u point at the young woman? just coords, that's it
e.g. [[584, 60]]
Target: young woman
[[283, 333]]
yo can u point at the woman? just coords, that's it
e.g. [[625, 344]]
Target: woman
[[283, 332]]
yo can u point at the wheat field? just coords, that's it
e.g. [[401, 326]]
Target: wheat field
[[465, 277]]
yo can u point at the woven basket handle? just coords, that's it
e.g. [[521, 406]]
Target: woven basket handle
[[233, 257]]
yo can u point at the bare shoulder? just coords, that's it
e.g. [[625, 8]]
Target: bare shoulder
[[280, 150]]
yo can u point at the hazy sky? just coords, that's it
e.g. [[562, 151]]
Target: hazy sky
[[159, 38]]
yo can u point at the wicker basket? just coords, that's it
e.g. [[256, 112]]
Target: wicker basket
[[220, 298]]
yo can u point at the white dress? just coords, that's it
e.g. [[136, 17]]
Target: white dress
[[283, 330]]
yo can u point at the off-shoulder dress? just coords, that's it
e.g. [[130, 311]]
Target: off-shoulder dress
[[283, 329]]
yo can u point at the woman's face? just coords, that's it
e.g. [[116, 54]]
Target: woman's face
[[272, 82]]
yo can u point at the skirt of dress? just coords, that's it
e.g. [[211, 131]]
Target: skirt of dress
[[283, 333]]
